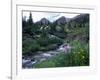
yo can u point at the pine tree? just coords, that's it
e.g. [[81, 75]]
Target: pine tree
[[30, 20], [24, 22]]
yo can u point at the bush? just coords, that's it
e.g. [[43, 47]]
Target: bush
[[55, 40], [30, 46], [49, 47], [80, 53], [42, 41]]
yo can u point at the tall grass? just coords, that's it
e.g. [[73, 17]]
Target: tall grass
[[79, 56]]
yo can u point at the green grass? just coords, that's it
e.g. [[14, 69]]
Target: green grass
[[79, 56]]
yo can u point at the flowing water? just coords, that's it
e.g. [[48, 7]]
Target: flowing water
[[31, 61]]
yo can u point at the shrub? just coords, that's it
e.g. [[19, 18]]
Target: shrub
[[55, 40], [49, 47], [30, 46], [46, 41], [80, 53], [42, 41]]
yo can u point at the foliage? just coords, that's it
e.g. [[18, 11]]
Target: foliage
[[30, 46], [79, 56], [80, 53], [49, 36]]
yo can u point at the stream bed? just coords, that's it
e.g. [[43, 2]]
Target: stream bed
[[30, 61]]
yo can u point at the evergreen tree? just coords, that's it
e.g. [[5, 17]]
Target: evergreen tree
[[30, 20], [24, 24]]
